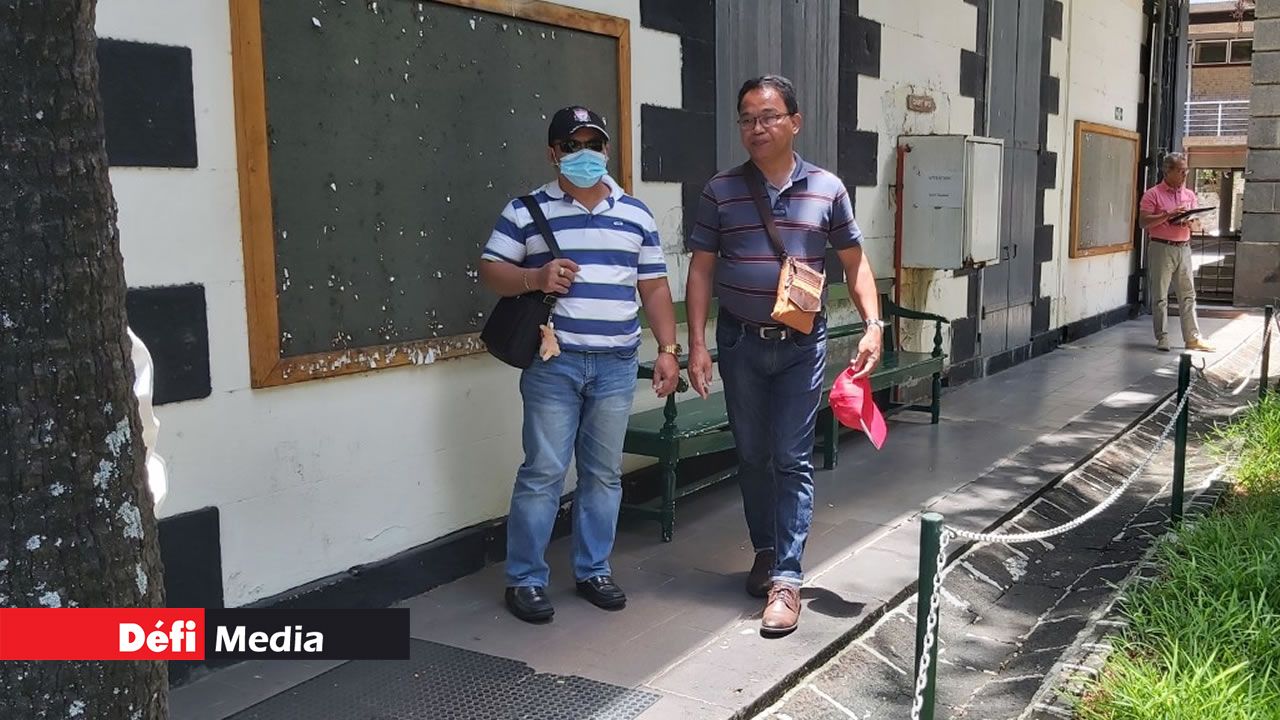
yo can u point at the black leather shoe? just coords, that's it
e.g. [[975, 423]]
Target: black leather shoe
[[603, 592], [529, 604]]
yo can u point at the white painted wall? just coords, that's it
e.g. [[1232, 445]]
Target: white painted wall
[[921, 43], [313, 478], [1098, 65]]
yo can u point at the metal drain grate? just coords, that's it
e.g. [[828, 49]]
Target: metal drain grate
[[439, 682]]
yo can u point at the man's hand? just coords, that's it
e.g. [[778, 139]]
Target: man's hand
[[700, 370], [869, 350], [555, 277], [666, 374]]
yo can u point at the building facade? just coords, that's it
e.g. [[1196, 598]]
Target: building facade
[[1258, 256], [329, 467]]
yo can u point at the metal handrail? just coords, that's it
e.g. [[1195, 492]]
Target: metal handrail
[[1216, 118]]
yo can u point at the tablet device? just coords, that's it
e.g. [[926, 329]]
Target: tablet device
[[1184, 215]]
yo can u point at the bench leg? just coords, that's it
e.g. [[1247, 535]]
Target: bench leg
[[935, 410], [830, 438], [668, 512]]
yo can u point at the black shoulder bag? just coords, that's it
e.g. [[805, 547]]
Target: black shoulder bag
[[512, 332]]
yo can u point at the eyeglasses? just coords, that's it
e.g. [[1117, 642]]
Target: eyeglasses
[[573, 146], [749, 123]]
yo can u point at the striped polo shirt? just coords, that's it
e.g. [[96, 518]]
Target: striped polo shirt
[[615, 245], [811, 211]]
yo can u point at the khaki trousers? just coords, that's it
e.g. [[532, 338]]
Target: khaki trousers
[[1172, 264]]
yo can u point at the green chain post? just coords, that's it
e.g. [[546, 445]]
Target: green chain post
[[930, 544], [1265, 377], [1180, 438]]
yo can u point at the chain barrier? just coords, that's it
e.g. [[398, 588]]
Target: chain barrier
[[1005, 539], [1244, 376], [950, 533]]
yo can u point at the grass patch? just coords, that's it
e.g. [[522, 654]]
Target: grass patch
[[1204, 640], [1256, 437]]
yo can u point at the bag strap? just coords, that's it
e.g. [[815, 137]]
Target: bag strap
[[540, 222], [755, 183]]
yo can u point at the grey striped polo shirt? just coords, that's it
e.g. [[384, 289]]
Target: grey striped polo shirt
[[812, 212]]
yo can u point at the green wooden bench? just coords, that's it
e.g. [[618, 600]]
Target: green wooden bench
[[690, 428]]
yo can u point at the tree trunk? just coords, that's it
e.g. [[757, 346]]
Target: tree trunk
[[77, 527]]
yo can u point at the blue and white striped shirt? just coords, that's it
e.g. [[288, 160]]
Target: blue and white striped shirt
[[615, 246]]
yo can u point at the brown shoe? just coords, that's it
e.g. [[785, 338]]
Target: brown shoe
[[782, 612], [761, 575], [1202, 345]]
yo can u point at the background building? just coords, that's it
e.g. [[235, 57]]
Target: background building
[[1216, 123]]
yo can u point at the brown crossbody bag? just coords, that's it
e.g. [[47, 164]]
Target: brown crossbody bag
[[799, 297]]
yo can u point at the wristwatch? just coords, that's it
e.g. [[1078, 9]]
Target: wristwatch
[[673, 349], [878, 323]]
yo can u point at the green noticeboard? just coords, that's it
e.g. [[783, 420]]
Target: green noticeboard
[[381, 140]]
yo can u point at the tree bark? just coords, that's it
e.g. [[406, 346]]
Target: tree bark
[[77, 528]]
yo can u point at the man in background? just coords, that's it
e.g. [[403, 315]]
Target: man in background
[[1169, 253]]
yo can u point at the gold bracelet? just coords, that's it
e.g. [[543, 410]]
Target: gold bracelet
[[524, 277]]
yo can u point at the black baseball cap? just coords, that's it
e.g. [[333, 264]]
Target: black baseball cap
[[569, 120]]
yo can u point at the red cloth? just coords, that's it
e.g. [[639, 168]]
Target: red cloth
[[853, 406]]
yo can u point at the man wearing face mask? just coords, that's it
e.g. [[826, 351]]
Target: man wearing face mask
[[577, 403]]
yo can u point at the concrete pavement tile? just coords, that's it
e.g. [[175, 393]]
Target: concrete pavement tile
[[1108, 576], [645, 657], [1060, 570], [673, 707], [870, 572], [864, 683], [1016, 613], [209, 699], [714, 684], [893, 644], [1004, 699], [828, 552], [811, 703]]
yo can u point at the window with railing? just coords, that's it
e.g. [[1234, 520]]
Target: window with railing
[[1216, 118]]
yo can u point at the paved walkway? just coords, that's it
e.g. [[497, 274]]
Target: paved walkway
[[687, 645], [1008, 613]]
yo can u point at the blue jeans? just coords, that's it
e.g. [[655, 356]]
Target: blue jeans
[[577, 403], [772, 390]]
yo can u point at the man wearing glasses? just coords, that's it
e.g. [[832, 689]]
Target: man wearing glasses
[[1169, 253], [773, 374], [577, 402]]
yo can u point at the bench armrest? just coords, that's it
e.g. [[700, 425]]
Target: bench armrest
[[840, 331], [896, 310], [892, 308]]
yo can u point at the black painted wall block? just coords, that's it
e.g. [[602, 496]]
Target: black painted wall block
[[679, 144], [172, 323], [148, 105]]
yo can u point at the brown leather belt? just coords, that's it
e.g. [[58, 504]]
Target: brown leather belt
[[1169, 242]]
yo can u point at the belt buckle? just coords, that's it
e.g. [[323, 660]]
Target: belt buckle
[[772, 333]]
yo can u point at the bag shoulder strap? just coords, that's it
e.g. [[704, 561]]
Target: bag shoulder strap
[[540, 222], [755, 183]]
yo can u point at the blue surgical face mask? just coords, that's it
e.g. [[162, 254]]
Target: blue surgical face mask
[[584, 168]]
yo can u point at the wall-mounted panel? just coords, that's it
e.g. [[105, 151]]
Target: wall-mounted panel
[[378, 144]]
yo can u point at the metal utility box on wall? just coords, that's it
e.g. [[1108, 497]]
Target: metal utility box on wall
[[952, 187]]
